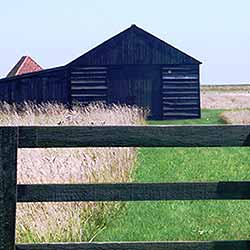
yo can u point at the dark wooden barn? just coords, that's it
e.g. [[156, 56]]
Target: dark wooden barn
[[133, 67]]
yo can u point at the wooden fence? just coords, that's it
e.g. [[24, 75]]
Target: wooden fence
[[12, 138]]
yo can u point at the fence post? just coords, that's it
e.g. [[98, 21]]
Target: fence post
[[8, 172]]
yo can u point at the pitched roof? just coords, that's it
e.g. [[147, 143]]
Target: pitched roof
[[135, 42], [25, 65]]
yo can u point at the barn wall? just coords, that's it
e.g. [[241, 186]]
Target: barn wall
[[180, 91], [134, 68], [169, 91], [47, 86]]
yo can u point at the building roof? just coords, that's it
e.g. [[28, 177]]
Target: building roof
[[135, 46], [25, 65]]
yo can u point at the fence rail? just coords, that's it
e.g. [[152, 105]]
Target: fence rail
[[135, 136], [115, 136], [134, 192]]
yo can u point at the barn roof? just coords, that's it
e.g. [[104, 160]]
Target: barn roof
[[25, 65], [135, 46]]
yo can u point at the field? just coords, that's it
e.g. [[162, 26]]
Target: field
[[185, 220], [225, 97], [234, 99], [133, 221]]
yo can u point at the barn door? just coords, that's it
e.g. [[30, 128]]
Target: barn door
[[133, 92], [180, 92], [89, 84], [136, 85]]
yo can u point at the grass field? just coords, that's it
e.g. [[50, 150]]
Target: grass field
[[185, 220]]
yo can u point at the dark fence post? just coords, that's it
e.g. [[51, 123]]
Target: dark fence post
[[8, 172]]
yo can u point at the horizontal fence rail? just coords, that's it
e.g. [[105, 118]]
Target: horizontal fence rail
[[188, 245], [135, 136], [133, 192], [115, 136]]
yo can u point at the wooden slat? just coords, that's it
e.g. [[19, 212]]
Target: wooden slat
[[128, 136], [89, 68], [179, 82], [133, 192], [89, 98], [171, 245], [89, 88], [180, 102], [180, 117], [88, 84], [181, 98], [179, 85], [182, 68], [99, 77], [182, 109], [88, 73], [180, 72], [8, 170], [88, 95], [181, 94], [180, 105], [179, 88], [180, 113], [89, 92], [179, 77], [90, 81]]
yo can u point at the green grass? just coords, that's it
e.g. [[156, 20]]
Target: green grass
[[209, 116], [185, 220]]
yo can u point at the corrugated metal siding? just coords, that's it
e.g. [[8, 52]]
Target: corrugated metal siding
[[180, 92]]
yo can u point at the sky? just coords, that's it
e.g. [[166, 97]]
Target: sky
[[54, 32]]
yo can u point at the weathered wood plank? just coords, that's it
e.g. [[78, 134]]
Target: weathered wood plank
[[89, 99], [89, 92], [179, 105], [77, 78], [8, 170], [180, 117], [77, 73], [98, 87], [171, 245], [89, 68], [89, 81], [133, 191], [180, 88], [185, 98], [180, 109], [183, 103], [135, 136], [180, 94]]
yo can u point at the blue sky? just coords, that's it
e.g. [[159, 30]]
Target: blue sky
[[55, 32]]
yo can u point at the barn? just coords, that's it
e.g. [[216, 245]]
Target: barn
[[133, 67]]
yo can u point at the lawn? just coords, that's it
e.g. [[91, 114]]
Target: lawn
[[185, 220]]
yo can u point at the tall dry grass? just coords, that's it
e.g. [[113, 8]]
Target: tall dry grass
[[54, 222], [236, 116], [225, 99]]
